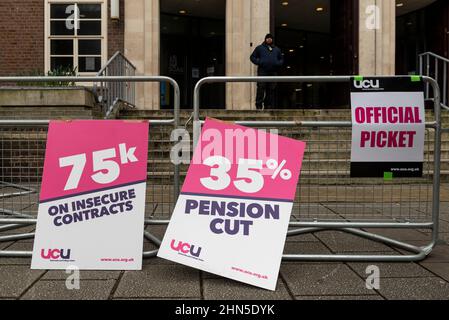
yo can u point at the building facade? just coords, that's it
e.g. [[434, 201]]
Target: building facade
[[191, 39]]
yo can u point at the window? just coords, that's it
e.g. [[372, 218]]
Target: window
[[76, 35]]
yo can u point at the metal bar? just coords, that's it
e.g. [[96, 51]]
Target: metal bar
[[16, 237], [437, 160], [44, 123], [149, 236], [385, 240], [310, 124], [17, 221], [428, 74], [15, 254], [420, 64], [298, 232], [445, 84], [177, 112], [346, 226], [13, 227], [340, 225], [434, 55], [354, 258], [436, 70], [150, 254], [15, 213], [203, 81]]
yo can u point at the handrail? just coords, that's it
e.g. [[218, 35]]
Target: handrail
[[435, 66], [118, 53], [434, 55], [281, 79], [112, 96], [117, 79]]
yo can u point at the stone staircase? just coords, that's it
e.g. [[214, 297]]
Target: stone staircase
[[326, 161], [328, 153]]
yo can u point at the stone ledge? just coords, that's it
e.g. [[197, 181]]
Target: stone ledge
[[46, 97]]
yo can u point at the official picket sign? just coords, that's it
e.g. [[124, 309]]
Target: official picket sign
[[388, 127], [232, 216], [92, 200]]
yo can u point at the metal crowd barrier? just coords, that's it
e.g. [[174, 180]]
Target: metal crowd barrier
[[328, 199], [22, 150]]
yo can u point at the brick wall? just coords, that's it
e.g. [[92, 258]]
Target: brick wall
[[116, 31], [21, 36]]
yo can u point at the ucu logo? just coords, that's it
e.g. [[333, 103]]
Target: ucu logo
[[367, 84], [56, 254], [186, 248]]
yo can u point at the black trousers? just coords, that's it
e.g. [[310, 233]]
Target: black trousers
[[265, 91]]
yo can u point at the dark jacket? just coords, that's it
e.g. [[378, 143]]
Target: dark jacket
[[267, 60]]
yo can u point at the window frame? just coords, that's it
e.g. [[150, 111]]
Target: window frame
[[76, 38]]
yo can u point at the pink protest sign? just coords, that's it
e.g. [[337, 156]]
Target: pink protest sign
[[279, 158], [232, 216], [92, 201], [81, 142]]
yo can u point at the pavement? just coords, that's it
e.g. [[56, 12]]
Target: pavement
[[161, 279]]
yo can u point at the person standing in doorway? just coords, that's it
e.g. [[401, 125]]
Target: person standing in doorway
[[268, 58]]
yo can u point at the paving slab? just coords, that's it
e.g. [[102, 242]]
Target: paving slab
[[158, 231], [444, 226], [216, 289], [344, 242], [57, 290], [401, 234], [84, 275], [438, 268], [157, 261], [4, 245], [323, 279], [350, 210], [308, 237], [439, 254], [444, 237], [16, 279], [303, 212], [305, 248], [160, 281], [431, 288]]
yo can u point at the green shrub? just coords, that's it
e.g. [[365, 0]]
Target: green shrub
[[58, 72]]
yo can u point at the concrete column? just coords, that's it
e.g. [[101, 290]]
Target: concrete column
[[247, 22], [142, 47], [377, 39]]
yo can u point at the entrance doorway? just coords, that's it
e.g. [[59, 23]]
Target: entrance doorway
[[193, 47], [317, 37]]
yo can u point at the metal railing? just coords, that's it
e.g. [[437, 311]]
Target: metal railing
[[436, 67], [328, 198], [114, 95], [22, 151]]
